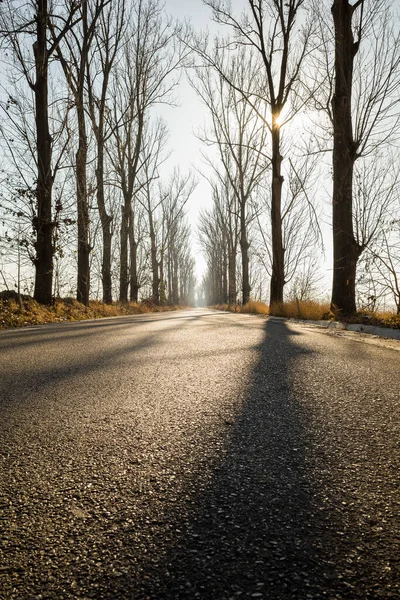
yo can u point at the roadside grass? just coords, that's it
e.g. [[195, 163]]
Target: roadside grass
[[68, 309], [255, 308], [310, 310], [377, 318], [314, 311], [293, 309]]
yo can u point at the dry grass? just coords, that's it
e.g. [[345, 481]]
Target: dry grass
[[377, 318], [297, 310], [255, 308], [314, 311], [307, 310], [33, 313]]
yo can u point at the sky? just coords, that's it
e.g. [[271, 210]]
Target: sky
[[187, 118]]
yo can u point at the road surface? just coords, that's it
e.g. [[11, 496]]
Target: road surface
[[198, 454]]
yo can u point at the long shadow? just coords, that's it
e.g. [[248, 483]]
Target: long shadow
[[95, 360], [256, 530], [48, 332]]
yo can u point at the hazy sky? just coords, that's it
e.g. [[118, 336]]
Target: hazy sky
[[185, 119]]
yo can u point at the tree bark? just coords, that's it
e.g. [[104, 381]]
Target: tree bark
[[106, 221], [43, 224], [244, 247], [231, 276], [224, 270], [105, 218], [346, 251], [278, 253], [83, 280], [123, 266], [154, 263], [169, 278], [163, 299], [174, 278], [134, 282]]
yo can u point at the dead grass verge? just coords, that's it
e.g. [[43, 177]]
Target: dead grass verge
[[312, 311], [68, 309]]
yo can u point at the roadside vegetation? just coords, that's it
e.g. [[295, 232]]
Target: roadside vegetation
[[314, 311], [29, 312]]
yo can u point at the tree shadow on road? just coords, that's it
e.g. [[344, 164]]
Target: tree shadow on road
[[256, 530]]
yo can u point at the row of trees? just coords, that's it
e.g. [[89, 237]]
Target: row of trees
[[291, 84], [294, 80], [86, 151]]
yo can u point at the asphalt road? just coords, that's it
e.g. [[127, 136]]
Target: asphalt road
[[198, 454]]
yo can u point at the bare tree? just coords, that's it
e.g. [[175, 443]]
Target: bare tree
[[212, 238], [174, 231], [269, 28], [377, 217], [362, 103], [107, 43], [301, 232], [73, 55], [225, 201], [240, 137], [387, 264], [152, 197], [18, 23], [143, 79]]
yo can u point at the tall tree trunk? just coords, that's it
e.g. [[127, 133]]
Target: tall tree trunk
[[346, 251], [219, 278], [244, 248], [231, 276], [225, 271], [123, 262], [83, 280], [163, 298], [43, 224], [105, 220], [278, 253], [175, 282], [154, 263], [215, 280], [169, 273], [134, 282], [182, 291]]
